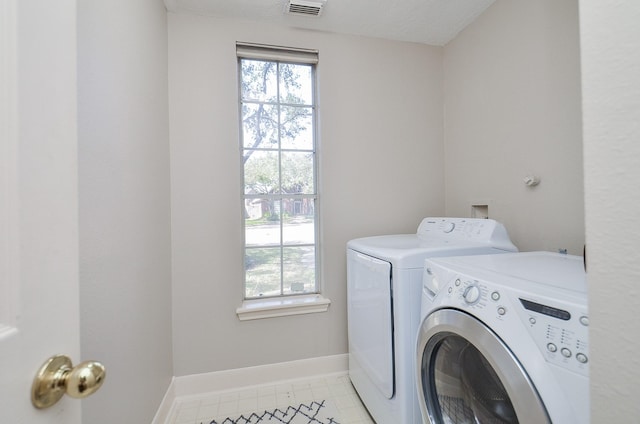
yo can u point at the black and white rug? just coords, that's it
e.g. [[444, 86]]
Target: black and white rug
[[316, 412]]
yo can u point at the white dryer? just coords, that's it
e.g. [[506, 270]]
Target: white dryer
[[504, 339], [384, 282]]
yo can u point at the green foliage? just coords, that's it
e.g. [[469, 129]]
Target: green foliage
[[269, 126]]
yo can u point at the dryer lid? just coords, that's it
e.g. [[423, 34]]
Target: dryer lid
[[437, 237]]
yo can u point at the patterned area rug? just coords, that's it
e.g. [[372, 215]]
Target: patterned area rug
[[321, 412]]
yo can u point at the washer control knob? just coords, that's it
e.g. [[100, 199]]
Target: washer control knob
[[565, 352], [582, 358], [552, 347], [471, 294], [448, 227]]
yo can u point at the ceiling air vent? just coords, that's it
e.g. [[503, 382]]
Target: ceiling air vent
[[306, 8]]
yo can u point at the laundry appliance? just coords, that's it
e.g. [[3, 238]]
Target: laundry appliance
[[504, 339], [384, 283]]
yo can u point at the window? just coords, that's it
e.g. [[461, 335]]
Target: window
[[279, 170]]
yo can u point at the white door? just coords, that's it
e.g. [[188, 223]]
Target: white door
[[38, 202]]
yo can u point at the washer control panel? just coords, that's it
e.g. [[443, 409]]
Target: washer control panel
[[560, 331]]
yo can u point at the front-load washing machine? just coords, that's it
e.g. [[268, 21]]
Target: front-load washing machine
[[504, 339], [384, 281]]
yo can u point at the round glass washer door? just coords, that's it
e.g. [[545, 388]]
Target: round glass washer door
[[467, 375]]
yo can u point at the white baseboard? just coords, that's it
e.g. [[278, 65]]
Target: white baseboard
[[168, 401], [199, 384]]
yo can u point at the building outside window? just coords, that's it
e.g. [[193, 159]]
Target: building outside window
[[279, 170]]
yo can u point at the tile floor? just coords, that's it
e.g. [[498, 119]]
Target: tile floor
[[337, 388]]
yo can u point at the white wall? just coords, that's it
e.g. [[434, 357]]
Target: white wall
[[380, 166], [610, 38], [512, 107], [125, 273]]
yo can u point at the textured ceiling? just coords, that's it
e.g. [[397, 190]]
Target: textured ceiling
[[434, 22]]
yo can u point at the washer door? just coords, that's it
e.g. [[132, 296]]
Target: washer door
[[466, 374]]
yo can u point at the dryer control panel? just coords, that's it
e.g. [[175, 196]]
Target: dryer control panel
[[468, 230]]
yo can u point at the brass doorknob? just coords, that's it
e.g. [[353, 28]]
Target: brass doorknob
[[58, 376]]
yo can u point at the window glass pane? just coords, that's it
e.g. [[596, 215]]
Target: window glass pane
[[262, 222], [296, 127], [262, 267], [298, 270], [259, 126], [296, 84], [259, 80], [278, 156], [297, 173], [298, 222], [261, 174]]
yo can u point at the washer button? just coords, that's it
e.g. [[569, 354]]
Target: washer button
[[495, 296], [551, 347], [565, 352], [582, 358], [532, 320], [584, 320], [501, 310], [458, 282]]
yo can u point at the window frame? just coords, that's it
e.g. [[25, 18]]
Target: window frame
[[294, 302]]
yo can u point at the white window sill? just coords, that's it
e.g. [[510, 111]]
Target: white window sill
[[280, 307]]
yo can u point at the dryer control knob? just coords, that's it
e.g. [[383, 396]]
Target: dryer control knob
[[448, 227], [471, 294]]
